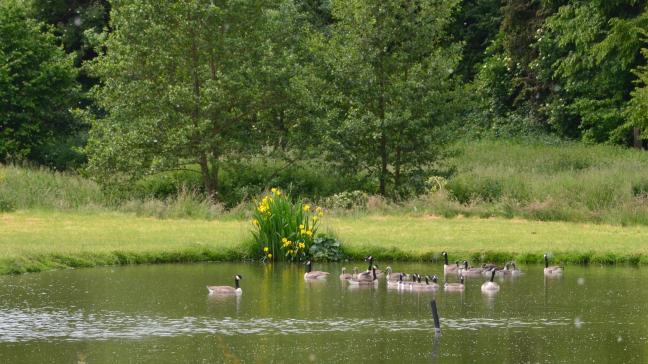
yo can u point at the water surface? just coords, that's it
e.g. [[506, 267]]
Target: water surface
[[163, 314]]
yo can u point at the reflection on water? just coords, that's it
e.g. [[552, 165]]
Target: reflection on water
[[20, 325], [164, 314]]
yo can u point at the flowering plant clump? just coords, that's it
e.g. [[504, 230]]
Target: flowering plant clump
[[283, 229]]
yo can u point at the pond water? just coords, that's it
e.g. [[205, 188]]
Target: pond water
[[163, 314]]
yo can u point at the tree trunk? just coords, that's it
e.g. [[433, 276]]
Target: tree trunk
[[383, 160], [397, 168], [208, 181], [636, 134]]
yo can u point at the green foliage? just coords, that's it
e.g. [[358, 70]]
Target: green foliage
[[37, 87], [284, 230], [637, 107], [326, 248]]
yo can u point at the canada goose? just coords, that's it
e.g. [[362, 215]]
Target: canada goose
[[458, 287], [509, 270], [426, 286], [362, 281], [434, 283], [471, 272], [310, 274], [553, 270], [392, 276], [344, 275], [397, 283], [227, 290], [490, 286], [449, 268], [368, 273]]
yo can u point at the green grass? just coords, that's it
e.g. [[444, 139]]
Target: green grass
[[556, 181], [35, 241], [41, 240]]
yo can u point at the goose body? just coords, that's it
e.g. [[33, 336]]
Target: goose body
[[455, 287], [553, 270], [344, 275], [311, 274], [369, 271], [447, 268], [426, 286], [227, 290], [363, 280], [471, 272], [490, 286]]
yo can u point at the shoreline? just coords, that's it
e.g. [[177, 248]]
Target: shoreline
[[35, 241]]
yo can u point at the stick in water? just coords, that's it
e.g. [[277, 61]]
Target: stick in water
[[435, 316]]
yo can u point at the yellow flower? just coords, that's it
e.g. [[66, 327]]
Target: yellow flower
[[307, 207], [315, 218], [284, 240], [302, 245], [255, 222], [290, 251], [266, 249], [309, 232], [269, 255], [302, 231], [301, 226]]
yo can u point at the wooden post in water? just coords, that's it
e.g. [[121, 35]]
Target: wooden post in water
[[435, 316]]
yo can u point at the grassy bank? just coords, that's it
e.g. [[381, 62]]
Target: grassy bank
[[35, 241]]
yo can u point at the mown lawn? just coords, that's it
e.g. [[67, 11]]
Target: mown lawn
[[40, 240]]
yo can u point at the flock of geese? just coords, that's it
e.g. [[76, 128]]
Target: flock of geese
[[413, 281]]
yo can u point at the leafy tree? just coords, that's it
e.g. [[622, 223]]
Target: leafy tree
[[586, 53], [37, 86], [177, 87], [476, 24], [70, 20], [637, 108], [387, 71]]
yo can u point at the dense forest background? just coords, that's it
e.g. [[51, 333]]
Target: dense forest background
[[227, 98]]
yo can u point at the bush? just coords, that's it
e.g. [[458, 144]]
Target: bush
[[347, 200], [284, 230]]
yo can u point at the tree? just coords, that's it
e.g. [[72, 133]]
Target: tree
[[637, 108], [389, 66], [37, 86], [70, 20], [177, 87], [587, 51]]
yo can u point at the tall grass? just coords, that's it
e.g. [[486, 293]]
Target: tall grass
[[38, 188], [532, 179], [547, 181]]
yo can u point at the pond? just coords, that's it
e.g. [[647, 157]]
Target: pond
[[163, 314]]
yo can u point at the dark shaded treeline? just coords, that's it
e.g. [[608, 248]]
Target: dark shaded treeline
[[372, 89]]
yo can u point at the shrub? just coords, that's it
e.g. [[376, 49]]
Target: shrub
[[326, 248], [284, 230], [347, 200]]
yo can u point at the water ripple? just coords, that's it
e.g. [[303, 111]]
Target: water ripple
[[21, 325]]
